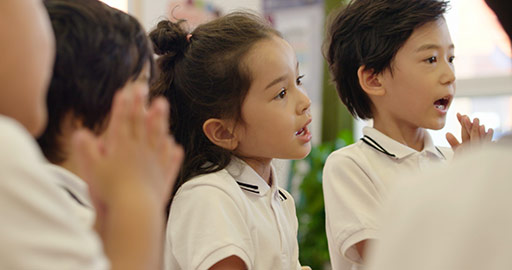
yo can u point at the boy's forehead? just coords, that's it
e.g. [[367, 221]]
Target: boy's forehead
[[431, 35]]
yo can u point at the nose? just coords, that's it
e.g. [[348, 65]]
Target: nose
[[304, 103], [448, 76]]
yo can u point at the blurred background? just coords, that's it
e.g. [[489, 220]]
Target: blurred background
[[484, 86]]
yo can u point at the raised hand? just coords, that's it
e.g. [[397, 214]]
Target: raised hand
[[472, 134], [131, 169]]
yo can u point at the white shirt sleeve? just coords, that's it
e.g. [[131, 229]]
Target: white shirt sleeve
[[38, 229], [207, 225], [351, 204]]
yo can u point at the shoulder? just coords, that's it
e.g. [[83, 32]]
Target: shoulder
[[17, 144], [286, 197], [209, 191], [349, 155], [447, 152], [32, 204], [220, 182]]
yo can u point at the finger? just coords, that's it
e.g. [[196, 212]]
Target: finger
[[305, 268], [482, 131], [119, 118], [459, 118], [138, 114], [177, 155], [454, 143], [157, 123], [465, 128], [489, 134], [475, 130]]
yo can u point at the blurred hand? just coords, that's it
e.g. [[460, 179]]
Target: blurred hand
[[134, 155]]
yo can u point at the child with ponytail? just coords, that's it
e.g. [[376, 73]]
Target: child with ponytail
[[237, 102]]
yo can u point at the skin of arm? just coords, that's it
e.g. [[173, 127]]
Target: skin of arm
[[229, 263]]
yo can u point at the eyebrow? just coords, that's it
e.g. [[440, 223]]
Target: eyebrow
[[279, 79], [432, 46]]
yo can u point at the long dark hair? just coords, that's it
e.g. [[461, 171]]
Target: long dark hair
[[203, 76]]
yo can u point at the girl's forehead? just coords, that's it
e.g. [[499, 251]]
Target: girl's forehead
[[270, 53]]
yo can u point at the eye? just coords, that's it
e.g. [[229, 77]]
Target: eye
[[431, 60], [281, 94], [299, 79], [451, 59]]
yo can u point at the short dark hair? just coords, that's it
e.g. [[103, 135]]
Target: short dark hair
[[203, 75], [98, 50], [369, 33]]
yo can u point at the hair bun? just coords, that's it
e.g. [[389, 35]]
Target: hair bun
[[169, 38]]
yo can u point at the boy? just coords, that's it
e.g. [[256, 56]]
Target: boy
[[39, 230], [474, 219], [392, 61], [99, 50]]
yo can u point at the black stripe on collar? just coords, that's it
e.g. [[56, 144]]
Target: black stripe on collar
[[72, 195], [247, 185], [440, 152], [250, 190], [283, 197], [371, 142]]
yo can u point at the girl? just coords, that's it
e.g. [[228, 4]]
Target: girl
[[236, 103]]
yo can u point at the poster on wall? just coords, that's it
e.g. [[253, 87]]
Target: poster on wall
[[194, 12]]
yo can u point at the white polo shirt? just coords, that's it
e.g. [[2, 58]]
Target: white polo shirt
[[232, 212], [78, 192], [38, 229], [356, 180]]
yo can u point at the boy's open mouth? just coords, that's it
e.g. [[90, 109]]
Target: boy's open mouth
[[442, 103]]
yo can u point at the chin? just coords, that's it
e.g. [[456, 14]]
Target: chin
[[306, 151], [437, 125]]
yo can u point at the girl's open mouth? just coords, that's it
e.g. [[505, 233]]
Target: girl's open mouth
[[301, 132], [304, 134]]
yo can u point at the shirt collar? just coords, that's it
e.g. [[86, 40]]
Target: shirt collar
[[72, 184], [248, 179], [394, 149]]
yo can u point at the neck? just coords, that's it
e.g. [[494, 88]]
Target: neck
[[70, 165], [411, 136], [262, 167]]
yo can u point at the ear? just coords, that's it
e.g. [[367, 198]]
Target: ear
[[370, 82], [221, 133]]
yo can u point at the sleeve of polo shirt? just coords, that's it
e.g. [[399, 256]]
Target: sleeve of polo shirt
[[351, 205], [207, 225], [38, 229]]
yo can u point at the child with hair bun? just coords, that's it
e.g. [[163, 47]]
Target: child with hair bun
[[237, 102]]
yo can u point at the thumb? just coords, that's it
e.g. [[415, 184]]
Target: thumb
[[454, 143]]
